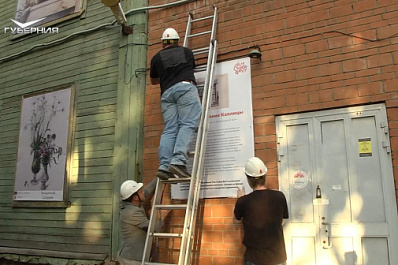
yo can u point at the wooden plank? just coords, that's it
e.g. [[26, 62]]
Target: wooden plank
[[66, 69], [75, 207], [91, 194], [89, 177], [73, 50], [98, 109], [9, 122], [90, 125], [37, 216], [4, 171], [94, 154], [59, 232], [52, 257], [82, 241], [102, 117], [94, 140], [8, 157], [95, 132], [97, 147], [40, 79], [52, 223], [77, 248], [106, 185]]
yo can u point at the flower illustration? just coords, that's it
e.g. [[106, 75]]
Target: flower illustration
[[43, 146]]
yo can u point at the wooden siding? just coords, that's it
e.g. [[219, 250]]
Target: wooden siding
[[89, 62]]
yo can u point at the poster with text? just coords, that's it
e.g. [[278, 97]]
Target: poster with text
[[230, 139]]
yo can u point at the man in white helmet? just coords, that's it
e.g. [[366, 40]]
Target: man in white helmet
[[263, 212], [172, 68], [133, 221]]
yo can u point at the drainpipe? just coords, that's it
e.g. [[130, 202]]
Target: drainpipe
[[129, 126]]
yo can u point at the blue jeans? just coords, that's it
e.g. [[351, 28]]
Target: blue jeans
[[181, 110]]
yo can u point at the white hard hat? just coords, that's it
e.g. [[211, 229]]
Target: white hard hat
[[170, 34], [255, 167], [128, 188]]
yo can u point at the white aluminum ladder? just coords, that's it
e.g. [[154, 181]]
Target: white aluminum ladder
[[188, 229]]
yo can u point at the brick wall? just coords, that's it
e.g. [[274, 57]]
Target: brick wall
[[315, 55]]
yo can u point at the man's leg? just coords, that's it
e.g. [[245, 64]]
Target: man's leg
[[169, 135], [189, 112]]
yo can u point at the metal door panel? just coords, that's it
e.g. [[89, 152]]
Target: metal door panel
[[375, 251], [369, 205], [341, 253], [303, 251], [333, 170], [298, 152], [346, 153]]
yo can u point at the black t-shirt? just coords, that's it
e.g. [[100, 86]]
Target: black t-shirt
[[262, 212], [173, 65]]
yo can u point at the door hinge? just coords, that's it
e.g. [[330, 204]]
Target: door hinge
[[384, 126], [279, 137], [386, 146], [280, 154]]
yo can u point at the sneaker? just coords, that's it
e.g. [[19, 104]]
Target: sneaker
[[179, 170], [164, 175]]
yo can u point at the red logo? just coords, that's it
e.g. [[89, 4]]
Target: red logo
[[240, 68]]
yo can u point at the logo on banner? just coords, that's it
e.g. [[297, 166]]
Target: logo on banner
[[240, 68], [25, 28]]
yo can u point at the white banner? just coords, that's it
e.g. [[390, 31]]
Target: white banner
[[230, 140]]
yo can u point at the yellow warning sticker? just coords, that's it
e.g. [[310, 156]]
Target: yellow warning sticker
[[365, 147]]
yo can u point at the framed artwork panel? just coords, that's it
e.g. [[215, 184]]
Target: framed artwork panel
[[42, 169], [48, 10]]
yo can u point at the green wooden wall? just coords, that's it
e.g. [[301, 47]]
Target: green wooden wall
[[91, 63]]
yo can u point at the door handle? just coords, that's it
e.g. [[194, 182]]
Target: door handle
[[318, 192], [326, 244]]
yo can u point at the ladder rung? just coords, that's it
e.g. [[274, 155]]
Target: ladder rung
[[176, 180], [200, 68], [171, 207], [201, 49], [191, 154], [169, 235], [199, 34], [200, 52], [203, 18]]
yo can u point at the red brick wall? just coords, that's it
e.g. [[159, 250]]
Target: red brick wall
[[315, 55]]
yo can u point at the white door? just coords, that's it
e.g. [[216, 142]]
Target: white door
[[336, 172]]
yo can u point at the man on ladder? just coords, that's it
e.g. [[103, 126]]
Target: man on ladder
[[172, 68]]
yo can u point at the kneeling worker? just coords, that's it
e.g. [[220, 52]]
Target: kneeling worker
[[133, 221]]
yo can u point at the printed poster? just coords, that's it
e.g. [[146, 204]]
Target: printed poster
[[42, 149], [230, 139]]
